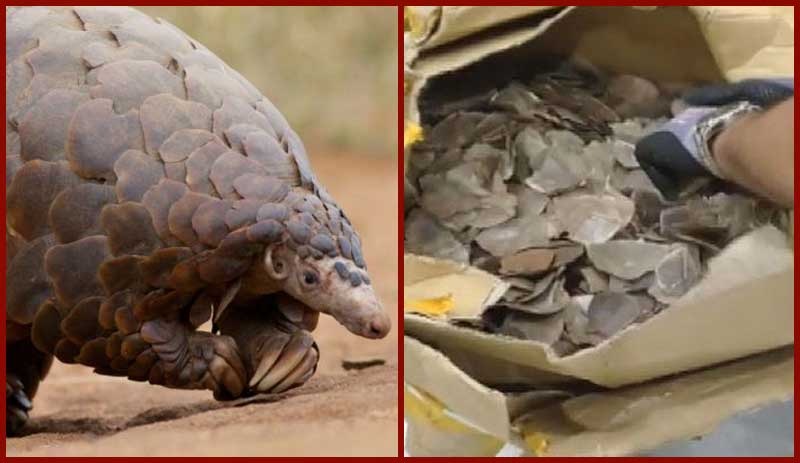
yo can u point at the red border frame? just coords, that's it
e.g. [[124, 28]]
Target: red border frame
[[400, 442], [398, 4]]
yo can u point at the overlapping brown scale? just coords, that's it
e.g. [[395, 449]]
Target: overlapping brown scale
[[102, 17], [358, 258], [98, 54], [210, 86], [98, 136], [199, 57], [156, 268], [240, 244], [46, 329], [66, 351], [184, 142], [73, 268], [345, 247], [129, 229], [75, 212], [175, 171], [295, 147], [136, 173], [109, 306], [334, 218], [25, 25], [13, 162], [208, 221], [13, 244], [93, 354], [235, 110], [140, 28], [274, 211], [158, 201], [298, 231], [129, 83], [242, 213], [254, 96], [198, 167], [161, 303], [43, 128], [133, 345], [267, 188], [185, 276], [114, 345], [18, 80], [265, 149], [219, 267], [120, 273], [139, 370], [165, 114], [236, 134], [27, 284], [125, 320], [58, 52], [81, 323], [265, 231], [230, 166], [32, 191], [180, 217], [275, 118]]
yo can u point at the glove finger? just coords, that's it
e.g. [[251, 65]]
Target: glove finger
[[756, 91], [667, 163]]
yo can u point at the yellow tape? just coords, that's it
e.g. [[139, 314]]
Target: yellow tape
[[413, 23], [536, 442], [435, 306], [443, 431], [411, 134]]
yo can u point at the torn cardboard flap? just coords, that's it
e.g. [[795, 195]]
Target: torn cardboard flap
[[470, 289], [432, 26], [430, 371], [667, 44], [642, 417], [743, 305]]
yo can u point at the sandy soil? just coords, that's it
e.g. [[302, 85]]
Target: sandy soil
[[336, 413]]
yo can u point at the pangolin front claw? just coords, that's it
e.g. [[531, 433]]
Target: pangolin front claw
[[284, 363], [195, 359]]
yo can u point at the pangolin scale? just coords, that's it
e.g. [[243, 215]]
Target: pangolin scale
[[151, 188]]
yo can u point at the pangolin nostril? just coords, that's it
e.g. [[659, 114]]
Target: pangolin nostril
[[379, 327]]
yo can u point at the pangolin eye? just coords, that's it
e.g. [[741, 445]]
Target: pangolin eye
[[310, 278]]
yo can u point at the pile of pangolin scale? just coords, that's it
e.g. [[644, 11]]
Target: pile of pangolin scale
[[537, 182]]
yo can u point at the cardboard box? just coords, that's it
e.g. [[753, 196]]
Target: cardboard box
[[726, 346]]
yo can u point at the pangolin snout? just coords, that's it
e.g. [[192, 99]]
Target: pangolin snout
[[378, 327]]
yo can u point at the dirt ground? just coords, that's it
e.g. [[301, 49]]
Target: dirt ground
[[78, 413]]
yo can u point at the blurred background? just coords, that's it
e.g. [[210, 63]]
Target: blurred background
[[332, 71]]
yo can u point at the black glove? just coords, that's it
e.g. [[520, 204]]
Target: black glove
[[678, 152]]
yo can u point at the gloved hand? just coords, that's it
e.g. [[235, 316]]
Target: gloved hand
[[680, 151]]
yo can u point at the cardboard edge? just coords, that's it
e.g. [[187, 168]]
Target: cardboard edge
[[432, 372]]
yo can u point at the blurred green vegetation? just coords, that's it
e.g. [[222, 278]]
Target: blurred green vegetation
[[332, 71]]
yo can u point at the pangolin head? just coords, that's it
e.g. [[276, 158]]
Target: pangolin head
[[331, 285], [312, 254]]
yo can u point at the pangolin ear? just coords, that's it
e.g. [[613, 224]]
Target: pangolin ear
[[277, 268]]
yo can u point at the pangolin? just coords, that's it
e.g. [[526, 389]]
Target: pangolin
[[150, 189]]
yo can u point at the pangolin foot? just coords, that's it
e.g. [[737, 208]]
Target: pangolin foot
[[287, 360], [17, 406]]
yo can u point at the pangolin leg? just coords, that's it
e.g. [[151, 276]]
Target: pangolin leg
[[188, 359], [25, 368], [278, 354]]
